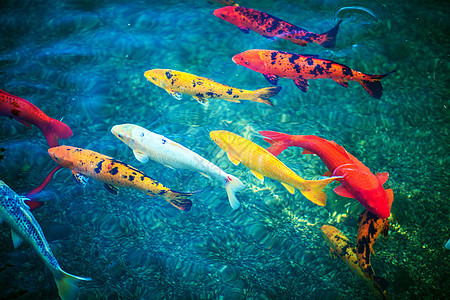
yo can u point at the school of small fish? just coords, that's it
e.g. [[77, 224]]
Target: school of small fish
[[356, 180]]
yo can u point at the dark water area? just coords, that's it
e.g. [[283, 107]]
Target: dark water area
[[83, 62]]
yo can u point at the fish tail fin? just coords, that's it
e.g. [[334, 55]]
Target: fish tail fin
[[66, 284], [57, 130], [278, 141], [180, 200], [330, 36], [313, 190], [232, 186], [263, 95], [373, 85]]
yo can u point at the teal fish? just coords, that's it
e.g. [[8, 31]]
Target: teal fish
[[24, 226]]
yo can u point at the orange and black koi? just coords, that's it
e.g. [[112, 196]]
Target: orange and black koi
[[272, 27], [370, 227], [300, 68], [113, 173]]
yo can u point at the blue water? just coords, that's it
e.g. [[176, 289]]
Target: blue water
[[83, 62]]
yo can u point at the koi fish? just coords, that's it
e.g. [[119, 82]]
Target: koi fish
[[177, 83], [27, 113], [271, 27], [149, 145], [340, 246], [262, 163], [24, 227], [370, 227], [113, 173], [357, 180], [300, 68]]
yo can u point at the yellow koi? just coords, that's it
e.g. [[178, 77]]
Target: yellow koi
[[177, 83], [263, 164], [114, 173]]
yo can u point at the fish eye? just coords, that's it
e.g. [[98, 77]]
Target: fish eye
[[120, 136]]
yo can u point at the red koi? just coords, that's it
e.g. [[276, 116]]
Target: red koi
[[27, 113], [300, 68], [358, 182], [272, 27]]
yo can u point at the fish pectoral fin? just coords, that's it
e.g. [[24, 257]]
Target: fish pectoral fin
[[176, 95], [342, 191], [390, 194], [80, 178], [112, 189], [302, 84], [201, 100], [382, 177], [206, 175], [17, 240], [24, 123], [244, 29], [233, 159], [289, 188], [273, 79], [140, 156], [341, 81], [258, 175]]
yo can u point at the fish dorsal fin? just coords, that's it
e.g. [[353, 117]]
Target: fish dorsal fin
[[258, 175], [339, 147], [201, 100], [390, 194], [382, 177], [342, 82], [289, 188], [17, 240], [140, 156], [233, 159], [176, 95], [273, 79], [342, 191], [80, 178], [112, 189]]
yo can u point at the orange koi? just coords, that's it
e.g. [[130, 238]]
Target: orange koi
[[300, 68], [271, 27], [114, 173], [27, 113]]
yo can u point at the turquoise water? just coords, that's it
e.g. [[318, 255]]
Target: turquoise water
[[83, 62]]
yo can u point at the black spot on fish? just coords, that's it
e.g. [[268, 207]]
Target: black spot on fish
[[168, 75], [230, 91], [199, 95], [15, 112], [212, 95], [99, 166], [309, 61], [162, 192], [163, 141], [273, 57], [130, 178], [318, 69], [200, 82], [142, 178], [124, 176], [114, 171], [347, 71]]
